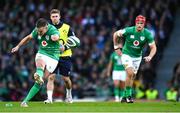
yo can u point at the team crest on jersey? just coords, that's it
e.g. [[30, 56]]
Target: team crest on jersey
[[132, 36], [47, 37], [142, 38], [44, 43], [39, 37], [136, 43]]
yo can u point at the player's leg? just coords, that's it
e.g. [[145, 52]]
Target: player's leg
[[36, 87], [135, 66], [40, 61], [131, 66], [50, 88], [129, 84], [40, 65], [51, 66], [122, 91], [68, 85], [128, 65], [116, 80], [116, 90], [65, 69], [122, 86]]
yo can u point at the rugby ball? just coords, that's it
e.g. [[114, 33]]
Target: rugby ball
[[73, 42]]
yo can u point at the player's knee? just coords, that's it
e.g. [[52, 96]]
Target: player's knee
[[66, 79], [130, 72], [116, 82], [51, 77], [40, 63]]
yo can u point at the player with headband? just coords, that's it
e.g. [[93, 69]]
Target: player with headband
[[135, 38]]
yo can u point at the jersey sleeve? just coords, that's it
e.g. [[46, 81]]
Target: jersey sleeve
[[34, 33], [150, 38], [124, 32], [127, 30]]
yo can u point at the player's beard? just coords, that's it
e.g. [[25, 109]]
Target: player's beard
[[56, 22]]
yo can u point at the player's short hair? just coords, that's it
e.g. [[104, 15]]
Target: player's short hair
[[41, 22], [55, 11]]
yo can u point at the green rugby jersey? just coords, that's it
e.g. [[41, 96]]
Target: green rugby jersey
[[46, 45], [116, 60], [135, 41]]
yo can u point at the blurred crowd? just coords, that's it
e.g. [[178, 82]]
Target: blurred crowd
[[94, 22]]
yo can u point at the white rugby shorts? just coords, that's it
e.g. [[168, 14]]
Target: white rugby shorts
[[128, 61], [119, 75], [50, 62]]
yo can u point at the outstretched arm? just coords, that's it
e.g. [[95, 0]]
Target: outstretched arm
[[24, 41], [153, 50]]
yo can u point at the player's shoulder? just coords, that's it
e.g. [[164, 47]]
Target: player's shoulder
[[51, 27], [114, 54], [34, 32], [146, 31], [130, 28], [65, 23]]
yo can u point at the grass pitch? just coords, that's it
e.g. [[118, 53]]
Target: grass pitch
[[92, 107]]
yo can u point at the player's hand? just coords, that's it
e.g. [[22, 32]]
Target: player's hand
[[15, 49], [118, 51], [54, 37], [147, 58], [66, 47], [62, 48]]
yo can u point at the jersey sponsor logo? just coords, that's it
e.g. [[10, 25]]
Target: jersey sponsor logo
[[44, 43], [136, 43], [47, 37], [132, 36], [142, 38]]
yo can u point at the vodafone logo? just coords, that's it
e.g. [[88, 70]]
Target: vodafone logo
[[136, 43], [44, 43]]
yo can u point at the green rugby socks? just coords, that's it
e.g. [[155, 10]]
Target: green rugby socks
[[33, 91]]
